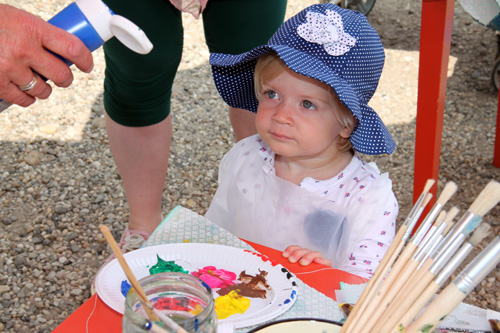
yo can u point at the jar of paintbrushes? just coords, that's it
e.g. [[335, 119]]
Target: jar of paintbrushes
[[181, 303]]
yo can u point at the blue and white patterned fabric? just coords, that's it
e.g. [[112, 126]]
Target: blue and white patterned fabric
[[325, 42]]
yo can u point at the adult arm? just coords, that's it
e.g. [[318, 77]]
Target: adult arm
[[24, 43]]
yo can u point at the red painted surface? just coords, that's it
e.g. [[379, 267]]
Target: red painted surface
[[435, 41]]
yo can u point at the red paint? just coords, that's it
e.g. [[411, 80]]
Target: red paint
[[263, 257]]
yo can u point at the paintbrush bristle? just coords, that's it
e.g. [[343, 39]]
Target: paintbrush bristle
[[487, 199], [451, 214], [481, 232], [428, 185], [440, 218], [449, 189], [426, 200], [449, 226]]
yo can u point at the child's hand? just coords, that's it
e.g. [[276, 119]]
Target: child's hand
[[304, 256]]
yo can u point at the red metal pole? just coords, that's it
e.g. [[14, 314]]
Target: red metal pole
[[435, 41]]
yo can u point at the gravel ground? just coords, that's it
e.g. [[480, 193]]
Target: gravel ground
[[58, 181]]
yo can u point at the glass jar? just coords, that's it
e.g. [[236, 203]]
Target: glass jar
[[182, 297]]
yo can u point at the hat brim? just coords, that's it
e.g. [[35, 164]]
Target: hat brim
[[240, 93]]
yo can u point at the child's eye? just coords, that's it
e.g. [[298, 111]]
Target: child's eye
[[271, 94], [308, 105]]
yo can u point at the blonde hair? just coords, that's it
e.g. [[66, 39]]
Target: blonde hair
[[264, 72]]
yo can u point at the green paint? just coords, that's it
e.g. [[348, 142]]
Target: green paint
[[427, 328], [163, 266]]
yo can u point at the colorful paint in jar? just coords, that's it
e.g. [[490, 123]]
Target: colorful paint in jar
[[182, 297]]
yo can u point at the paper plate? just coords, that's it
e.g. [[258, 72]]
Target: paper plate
[[194, 256]]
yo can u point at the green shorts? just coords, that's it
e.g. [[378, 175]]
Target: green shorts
[[137, 88]]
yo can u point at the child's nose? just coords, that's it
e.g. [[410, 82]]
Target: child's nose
[[282, 114]]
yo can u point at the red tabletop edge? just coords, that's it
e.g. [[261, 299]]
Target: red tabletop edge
[[94, 316]]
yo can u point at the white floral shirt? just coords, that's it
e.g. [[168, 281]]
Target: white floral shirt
[[248, 186]]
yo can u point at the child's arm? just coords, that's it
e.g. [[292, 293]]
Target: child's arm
[[304, 256]]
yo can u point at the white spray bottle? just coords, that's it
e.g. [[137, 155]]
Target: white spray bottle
[[94, 23]]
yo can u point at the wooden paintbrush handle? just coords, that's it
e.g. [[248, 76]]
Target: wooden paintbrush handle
[[391, 294], [128, 272], [418, 305], [403, 302], [441, 307], [410, 288], [377, 278], [374, 303]]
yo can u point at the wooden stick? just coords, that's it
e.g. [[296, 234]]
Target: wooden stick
[[405, 265], [141, 295], [405, 298], [448, 219], [431, 268], [445, 195], [391, 292], [409, 310], [386, 263], [374, 303], [388, 290], [484, 202], [365, 305], [438, 309], [379, 316], [415, 284], [417, 306], [458, 289]]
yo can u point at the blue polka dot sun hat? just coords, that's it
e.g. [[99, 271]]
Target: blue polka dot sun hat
[[325, 42]]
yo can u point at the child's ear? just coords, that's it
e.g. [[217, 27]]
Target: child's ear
[[346, 132]]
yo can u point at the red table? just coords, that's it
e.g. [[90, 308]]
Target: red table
[[95, 316]]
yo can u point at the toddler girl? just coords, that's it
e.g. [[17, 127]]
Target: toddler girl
[[298, 185]]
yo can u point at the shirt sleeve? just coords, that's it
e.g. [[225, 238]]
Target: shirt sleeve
[[367, 254]]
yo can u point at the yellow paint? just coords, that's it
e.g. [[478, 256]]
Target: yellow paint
[[231, 304], [197, 310]]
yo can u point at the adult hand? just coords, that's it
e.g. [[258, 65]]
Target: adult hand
[[304, 256], [25, 40]]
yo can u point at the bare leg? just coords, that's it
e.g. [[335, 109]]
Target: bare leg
[[141, 155], [243, 123]]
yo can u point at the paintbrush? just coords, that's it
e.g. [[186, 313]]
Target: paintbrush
[[485, 201], [141, 295], [392, 253], [405, 264], [458, 289], [429, 291], [415, 287], [437, 238], [375, 282], [421, 198], [431, 241], [437, 228]]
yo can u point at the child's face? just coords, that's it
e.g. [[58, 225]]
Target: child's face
[[298, 117]]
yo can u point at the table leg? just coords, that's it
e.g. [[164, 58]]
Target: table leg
[[435, 41]]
